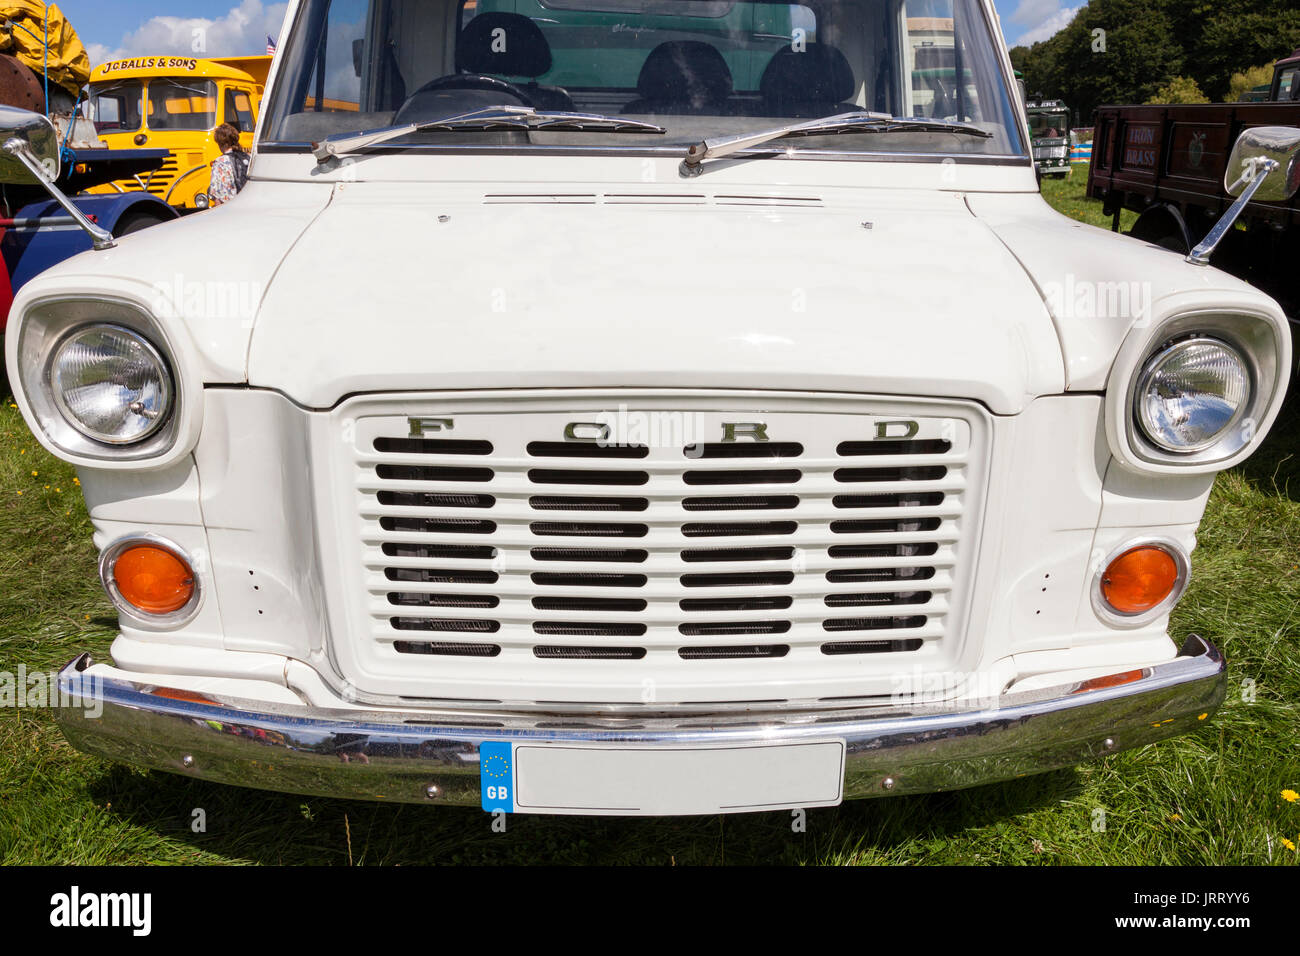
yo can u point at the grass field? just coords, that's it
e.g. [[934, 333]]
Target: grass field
[[1212, 798]]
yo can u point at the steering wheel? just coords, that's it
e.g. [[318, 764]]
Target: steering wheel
[[473, 81]]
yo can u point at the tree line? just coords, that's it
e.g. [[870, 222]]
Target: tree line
[[1142, 51]]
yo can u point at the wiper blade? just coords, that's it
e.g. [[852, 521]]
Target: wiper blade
[[859, 122], [487, 118]]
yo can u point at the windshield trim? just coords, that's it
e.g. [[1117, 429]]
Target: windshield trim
[[768, 151]]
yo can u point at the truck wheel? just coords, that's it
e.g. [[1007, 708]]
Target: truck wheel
[[1163, 227], [134, 222]]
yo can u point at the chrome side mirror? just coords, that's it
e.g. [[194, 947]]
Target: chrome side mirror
[[1264, 167], [1257, 151], [38, 139], [30, 155]]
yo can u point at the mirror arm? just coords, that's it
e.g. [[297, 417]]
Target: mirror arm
[[101, 238], [1261, 168]]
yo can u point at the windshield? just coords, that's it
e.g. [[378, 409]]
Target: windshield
[[115, 107], [1049, 125], [699, 68], [184, 105]]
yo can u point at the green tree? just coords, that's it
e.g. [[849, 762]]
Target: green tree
[[1247, 80], [1181, 89], [1144, 45], [1239, 34]]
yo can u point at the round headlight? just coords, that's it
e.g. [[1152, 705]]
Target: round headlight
[[1191, 393], [111, 384]]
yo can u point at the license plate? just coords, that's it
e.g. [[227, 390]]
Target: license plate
[[650, 781]]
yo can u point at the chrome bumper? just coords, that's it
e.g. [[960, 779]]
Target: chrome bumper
[[433, 758]]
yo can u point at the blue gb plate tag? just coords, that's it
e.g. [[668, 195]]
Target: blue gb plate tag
[[496, 769]]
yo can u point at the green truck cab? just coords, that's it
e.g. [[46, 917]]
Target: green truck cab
[[1049, 127]]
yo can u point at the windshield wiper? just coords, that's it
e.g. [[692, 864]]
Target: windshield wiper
[[487, 118], [860, 122]]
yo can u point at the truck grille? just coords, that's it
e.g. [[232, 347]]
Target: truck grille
[[159, 182], [493, 551]]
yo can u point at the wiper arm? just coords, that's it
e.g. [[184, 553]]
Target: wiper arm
[[860, 122], [487, 118]]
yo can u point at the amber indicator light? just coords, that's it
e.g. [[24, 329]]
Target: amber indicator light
[[1139, 579], [153, 579]]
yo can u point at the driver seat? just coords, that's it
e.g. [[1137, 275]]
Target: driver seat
[[510, 45]]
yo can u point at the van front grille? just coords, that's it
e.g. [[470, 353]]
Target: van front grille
[[516, 547]]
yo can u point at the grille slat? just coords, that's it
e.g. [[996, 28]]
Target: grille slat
[[415, 599], [591, 503], [668, 591], [593, 529], [572, 476], [619, 555], [768, 476], [716, 450], [559, 449], [722, 653], [447, 648], [664, 491], [666, 566], [874, 449], [578, 653], [432, 446], [659, 617], [700, 529]]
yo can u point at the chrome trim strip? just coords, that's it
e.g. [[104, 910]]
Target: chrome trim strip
[[422, 757], [783, 153]]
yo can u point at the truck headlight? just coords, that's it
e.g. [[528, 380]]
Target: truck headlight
[[103, 382], [1191, 393], [111, 384]]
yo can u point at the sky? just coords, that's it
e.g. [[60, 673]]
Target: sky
[[237, 27]]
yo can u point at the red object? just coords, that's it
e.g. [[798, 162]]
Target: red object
[[6, 291]]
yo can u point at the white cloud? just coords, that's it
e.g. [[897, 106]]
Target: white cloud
[[241, 32], [1032, 12], [1048, 28]]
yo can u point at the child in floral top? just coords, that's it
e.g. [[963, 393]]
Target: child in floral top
[[230, 169]]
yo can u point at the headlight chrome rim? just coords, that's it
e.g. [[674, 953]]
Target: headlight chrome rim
[[1150, 430], [38, 325], [166, 381], [1260, 337]]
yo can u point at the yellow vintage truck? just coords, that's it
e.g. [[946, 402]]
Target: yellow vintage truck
[[175, 103]]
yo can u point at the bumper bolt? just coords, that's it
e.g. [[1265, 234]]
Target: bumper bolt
[[887, 783], [432, 791], [187, 761]]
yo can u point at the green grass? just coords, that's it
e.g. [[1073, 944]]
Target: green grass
[[1068, 195], [1210, 798]]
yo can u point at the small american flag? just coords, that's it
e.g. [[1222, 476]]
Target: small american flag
[[270, 47]]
